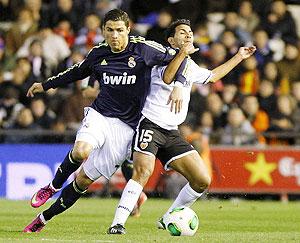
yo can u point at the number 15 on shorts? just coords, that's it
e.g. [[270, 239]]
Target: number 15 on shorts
[[145, 138]]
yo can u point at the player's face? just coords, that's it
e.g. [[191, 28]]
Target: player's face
[[183, 34], [116, 35]]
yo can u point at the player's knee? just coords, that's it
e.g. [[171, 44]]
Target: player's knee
[[207, 181], [80, 153], [200, 184]]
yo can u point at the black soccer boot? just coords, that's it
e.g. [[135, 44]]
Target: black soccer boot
[[117, 229]]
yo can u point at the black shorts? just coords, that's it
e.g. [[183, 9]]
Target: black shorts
[[166, 145]]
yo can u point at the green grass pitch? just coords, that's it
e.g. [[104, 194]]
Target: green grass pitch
[[220, 221]]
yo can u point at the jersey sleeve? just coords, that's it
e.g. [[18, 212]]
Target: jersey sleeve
[[76, 72], [157, 54], [199, 75], [92, 81]]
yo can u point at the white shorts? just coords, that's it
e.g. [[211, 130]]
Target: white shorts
[[112, 142], [91, 129]]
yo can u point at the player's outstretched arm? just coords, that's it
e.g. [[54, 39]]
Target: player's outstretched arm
[[35, 88], [174, 65], [220, 71]]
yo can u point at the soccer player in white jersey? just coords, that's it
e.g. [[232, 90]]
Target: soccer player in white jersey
[[157, 133], [122, 65]]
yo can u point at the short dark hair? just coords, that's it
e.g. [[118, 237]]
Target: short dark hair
[[170, 32], [116, 15]]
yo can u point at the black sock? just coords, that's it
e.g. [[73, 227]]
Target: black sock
[[69, 195], [127, 169], [66, 168]]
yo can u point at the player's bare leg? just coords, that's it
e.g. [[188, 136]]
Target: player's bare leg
[[69, 195], [143, 167], [71, 163], [193, 168]]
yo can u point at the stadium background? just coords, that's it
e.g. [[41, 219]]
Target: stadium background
[[246, 126]]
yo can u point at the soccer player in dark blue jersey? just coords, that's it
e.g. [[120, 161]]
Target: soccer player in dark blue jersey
[[123, 66]]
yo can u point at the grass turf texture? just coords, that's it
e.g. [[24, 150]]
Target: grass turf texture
[[220, 221]]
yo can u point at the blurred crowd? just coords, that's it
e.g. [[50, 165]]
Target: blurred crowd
[[257, 103]]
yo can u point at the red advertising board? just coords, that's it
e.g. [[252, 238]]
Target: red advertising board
[[270, 170]]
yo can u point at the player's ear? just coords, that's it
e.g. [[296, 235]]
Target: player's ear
[[171, 40], [103, 29], [128, 30]]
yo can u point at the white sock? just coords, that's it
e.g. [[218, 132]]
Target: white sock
[[186, 197], [128, 199]]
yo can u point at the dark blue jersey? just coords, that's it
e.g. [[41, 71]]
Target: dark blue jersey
[[124, 77]]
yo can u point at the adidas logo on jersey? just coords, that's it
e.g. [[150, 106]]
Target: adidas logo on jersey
[[103, 62], [117, 80]]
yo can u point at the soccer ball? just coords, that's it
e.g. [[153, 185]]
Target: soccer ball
[[181, 221]]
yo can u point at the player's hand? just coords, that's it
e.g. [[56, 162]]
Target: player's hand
[[176, 99], [246, 52], [188, 48], [35, 88]]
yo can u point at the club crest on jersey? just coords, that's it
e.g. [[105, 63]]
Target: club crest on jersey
[[143, 145], [131, 62]]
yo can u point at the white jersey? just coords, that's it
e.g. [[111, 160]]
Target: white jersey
[[156, 108]]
